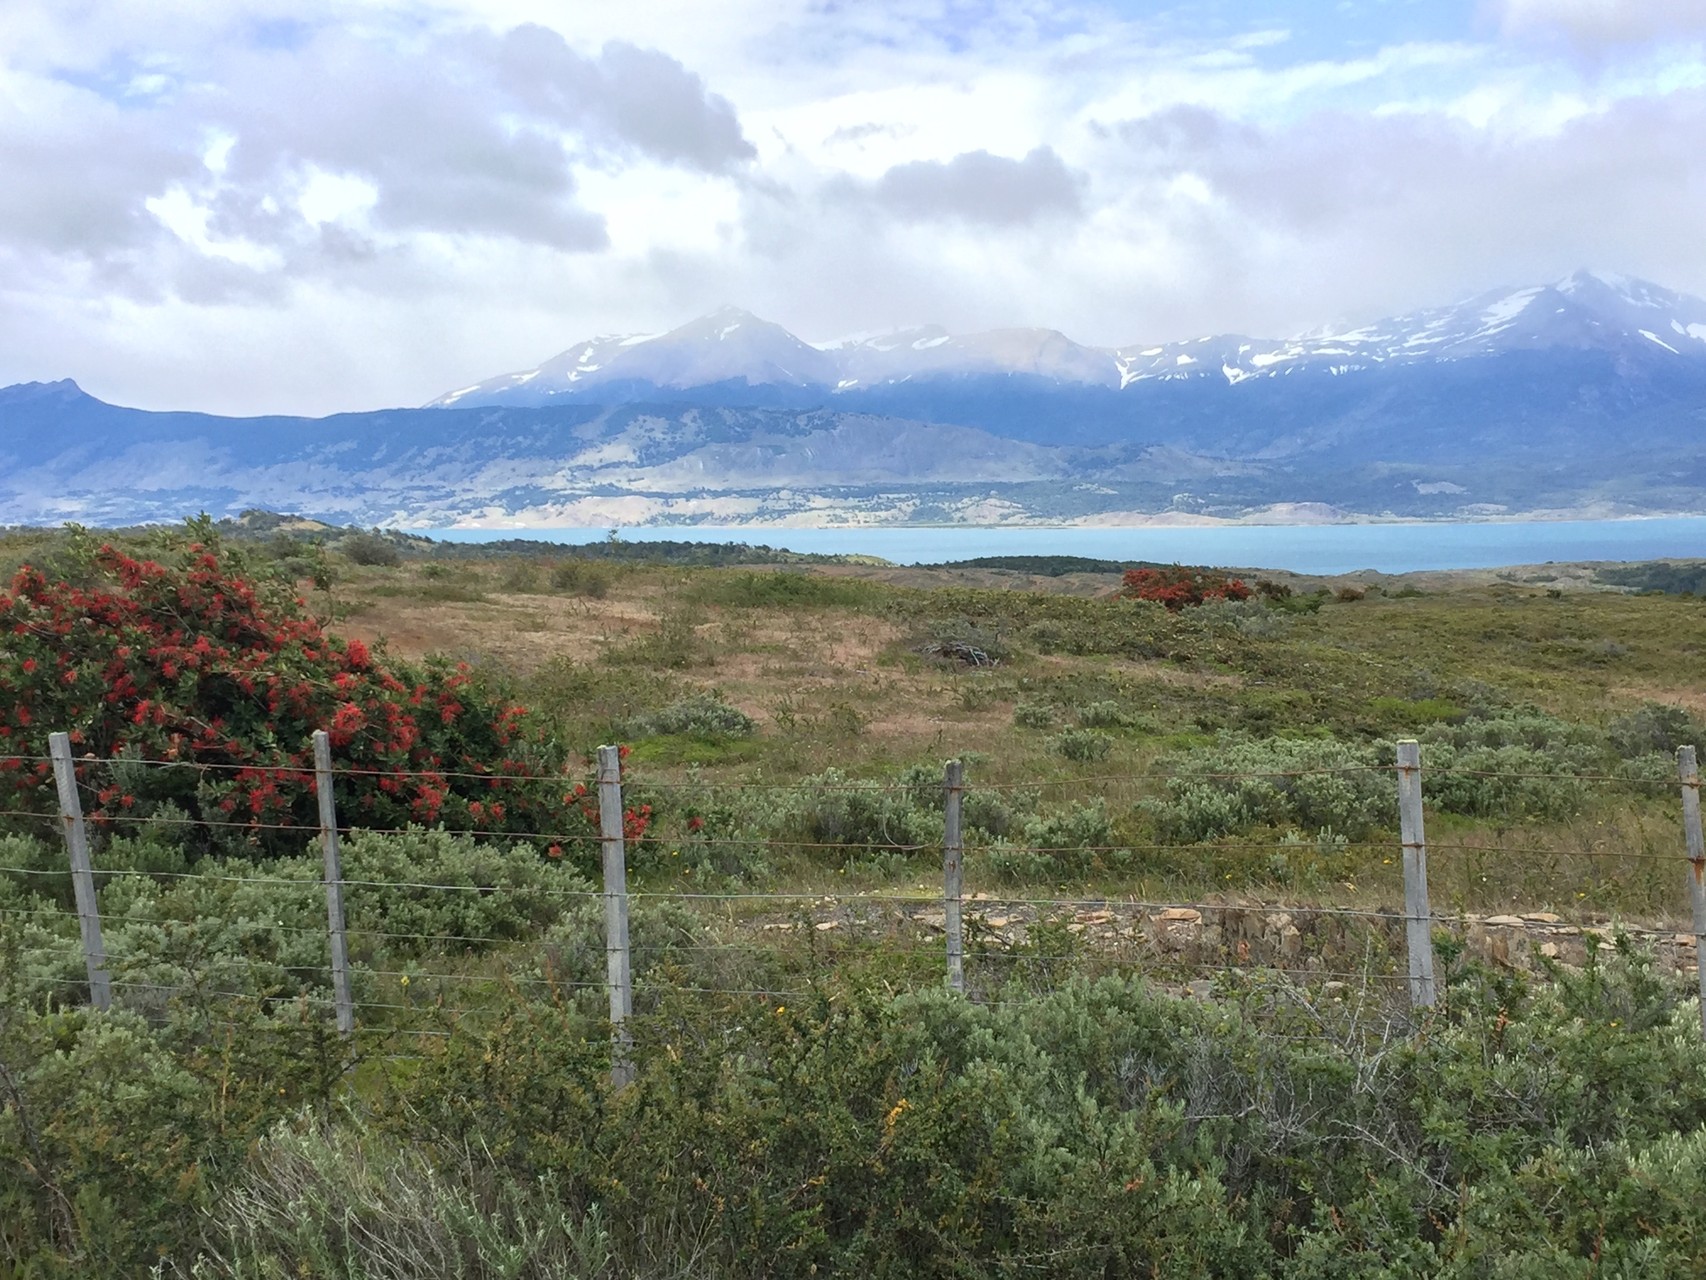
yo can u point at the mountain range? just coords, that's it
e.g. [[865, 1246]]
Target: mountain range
[[1586, 395], [1630, 319]]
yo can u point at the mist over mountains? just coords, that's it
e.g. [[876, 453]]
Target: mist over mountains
[[1585, 396]]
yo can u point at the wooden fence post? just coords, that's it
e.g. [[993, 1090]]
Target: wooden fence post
[[82, 872], [1689, 770], [953, 871], [334, 875], [616, 958], [1418, 917]]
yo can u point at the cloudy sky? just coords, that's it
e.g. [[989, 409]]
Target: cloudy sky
[[303, 206]]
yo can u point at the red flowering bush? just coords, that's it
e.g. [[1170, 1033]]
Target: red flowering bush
[[1180, 586], [184, 660]]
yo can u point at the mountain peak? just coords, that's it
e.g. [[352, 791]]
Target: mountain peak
[[729, 312], [24, 392], [1585, 278]]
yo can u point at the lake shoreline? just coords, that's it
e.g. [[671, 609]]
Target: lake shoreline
[[1386, 547]]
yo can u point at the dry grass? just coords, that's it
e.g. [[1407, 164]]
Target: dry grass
[[838, 684]]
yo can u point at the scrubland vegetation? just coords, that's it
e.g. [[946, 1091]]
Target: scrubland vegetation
[[807, 1099]]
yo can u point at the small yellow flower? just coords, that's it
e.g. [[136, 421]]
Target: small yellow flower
[[404, 980], [781, 1009]]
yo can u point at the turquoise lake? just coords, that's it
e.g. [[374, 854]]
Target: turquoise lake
[[1343, 548]]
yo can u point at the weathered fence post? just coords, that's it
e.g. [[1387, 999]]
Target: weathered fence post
[[953, 872], [82, 873], [616, 961], [334, 882], [1418, 917], [1689, 770]]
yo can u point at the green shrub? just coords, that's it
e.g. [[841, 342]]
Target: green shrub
[[116, 1134], [344, 1202], [521, 577], [1033, 715], [1082, 745], [832, 809], [1102, 715], [976, 696], [1514, 765], [986, 811], [371, 549], [1311, 784], [494, 892], [673, 645], [581, 577], [1552, 1128], [703, 715], [572, 952], [1655, 727], [1414, 713], [1068, 842], [1254, 619]]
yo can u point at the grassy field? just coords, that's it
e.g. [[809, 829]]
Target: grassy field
[[826, 659], [1091, 697]]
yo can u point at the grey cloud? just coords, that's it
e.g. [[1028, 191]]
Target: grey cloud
[[646, 99], [1596, 25], [858, 133], [77, 177], [483, 144], [978, 187], [1180, 131], [663, 110], [460, 135], [445, 153]]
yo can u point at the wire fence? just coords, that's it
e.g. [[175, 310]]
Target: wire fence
[[386, 951]]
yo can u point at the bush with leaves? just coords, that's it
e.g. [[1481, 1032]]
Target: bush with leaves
[[325, 1201], [373, 550], [1084, 746], [213, 683], [1655, 727], [1033, 715], [702, 715], [1313, 784], [1069, 841], [1527, 764], [1181, 586], [1553, 1128], [408, 895], [116, 1132], [582, 577]]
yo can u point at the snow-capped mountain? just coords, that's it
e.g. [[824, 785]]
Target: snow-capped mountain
[[1583, 312], [729, 345], [1587, 395]]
